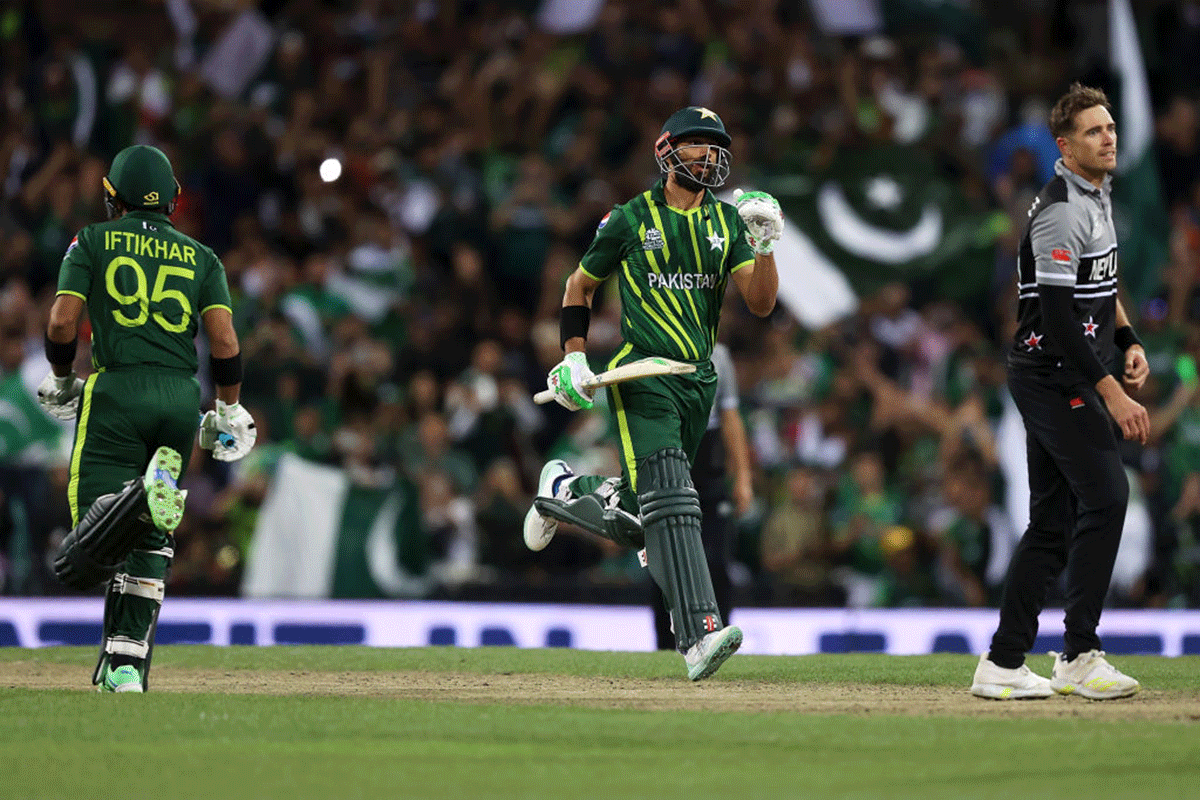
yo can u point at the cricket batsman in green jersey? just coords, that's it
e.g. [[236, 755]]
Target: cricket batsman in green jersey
[[147, 288], [673, 249]]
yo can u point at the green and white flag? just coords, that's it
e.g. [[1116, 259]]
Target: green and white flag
[[26, 432], [886, 213], [1140, 215], [318, 536]]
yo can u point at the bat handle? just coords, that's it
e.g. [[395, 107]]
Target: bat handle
[[543, 397], [225, 439]]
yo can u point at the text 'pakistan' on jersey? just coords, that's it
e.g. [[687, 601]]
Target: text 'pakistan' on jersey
[[673, 268]]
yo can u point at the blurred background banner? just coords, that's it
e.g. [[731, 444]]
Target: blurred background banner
[[27, 622], [884, 214], [1138, 208], [320, 535]]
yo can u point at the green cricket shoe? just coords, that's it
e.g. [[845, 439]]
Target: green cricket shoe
[[162, 494], [122, 679]]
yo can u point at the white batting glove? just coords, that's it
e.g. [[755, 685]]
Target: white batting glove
[[763, 218], [59, 397], [229, 431], [566, 381]]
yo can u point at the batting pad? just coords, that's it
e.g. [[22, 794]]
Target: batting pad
[[108, 532], [674, 550], [591, 513]]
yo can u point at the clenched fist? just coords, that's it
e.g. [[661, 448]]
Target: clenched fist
[[764, 220]]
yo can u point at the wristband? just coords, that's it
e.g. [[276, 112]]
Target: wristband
[[573, 321], [226, 371], [1125, 338], [58, 353]]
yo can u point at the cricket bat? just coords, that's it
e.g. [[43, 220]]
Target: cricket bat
[[642, 368]]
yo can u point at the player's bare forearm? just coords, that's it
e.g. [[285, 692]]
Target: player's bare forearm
[[733, 434], [1122, 317], [759, 284], [223, 343], [579, 291], [63, 326], [64, 318]]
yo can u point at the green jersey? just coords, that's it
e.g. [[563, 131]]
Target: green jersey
[[146, 286], [674, 266]]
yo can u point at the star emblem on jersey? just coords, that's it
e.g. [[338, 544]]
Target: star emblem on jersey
[[715, 241], [1089, 328], [653, 240], [1034, 342]]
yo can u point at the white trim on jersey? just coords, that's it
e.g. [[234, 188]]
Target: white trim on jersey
[[1056, 278], [1090, 285]]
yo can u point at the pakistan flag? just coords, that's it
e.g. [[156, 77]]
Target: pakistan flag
[[887, 213], [24, 427]]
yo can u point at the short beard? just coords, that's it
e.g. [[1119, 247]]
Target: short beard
[[687, 181]]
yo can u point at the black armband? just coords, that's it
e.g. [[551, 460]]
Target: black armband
[[226, 371], [572, 322], [58, 353], [1125, 338]]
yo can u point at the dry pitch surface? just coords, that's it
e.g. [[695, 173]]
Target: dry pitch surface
[[625, 693]]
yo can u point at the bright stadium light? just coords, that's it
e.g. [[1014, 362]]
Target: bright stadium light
[[330, 170]]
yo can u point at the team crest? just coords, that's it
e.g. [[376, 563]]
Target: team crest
[[150, 197], [653, 240]]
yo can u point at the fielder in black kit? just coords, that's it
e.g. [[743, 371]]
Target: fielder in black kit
[[1071, 332]]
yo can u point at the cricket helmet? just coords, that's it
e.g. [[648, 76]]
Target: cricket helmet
[[141, 178], [694, 122]]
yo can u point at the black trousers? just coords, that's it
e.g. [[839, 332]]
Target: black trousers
[[1077, 498]]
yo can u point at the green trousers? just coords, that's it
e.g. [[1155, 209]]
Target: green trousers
[[653, 413], [124, 416]]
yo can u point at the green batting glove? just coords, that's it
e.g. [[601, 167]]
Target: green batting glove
[[566, 380], [763, 217]]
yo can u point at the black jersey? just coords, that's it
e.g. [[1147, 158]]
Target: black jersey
[[1069, 241]]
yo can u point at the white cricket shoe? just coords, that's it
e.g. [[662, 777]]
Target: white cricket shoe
[[539, 530], [707, 655], [1091, 676], [999, 683]]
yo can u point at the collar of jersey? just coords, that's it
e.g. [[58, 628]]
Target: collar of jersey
[[1084, 186], [659, 196], [154, 215]]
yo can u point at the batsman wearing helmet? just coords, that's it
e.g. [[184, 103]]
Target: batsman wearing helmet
[[673, 249], [147, 288]]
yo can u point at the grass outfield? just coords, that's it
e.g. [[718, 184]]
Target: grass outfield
[[317, 722]]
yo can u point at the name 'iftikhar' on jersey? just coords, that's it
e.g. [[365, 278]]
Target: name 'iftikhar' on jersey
[[1069, 241], [146, 286], [674, 266]]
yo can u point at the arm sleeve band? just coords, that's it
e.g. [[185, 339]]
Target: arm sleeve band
[[572, 322], [226, 371], [1125, 338], [1059, 319], [58, 353]]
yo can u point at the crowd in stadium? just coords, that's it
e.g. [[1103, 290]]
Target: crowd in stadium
[[398, 191]]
